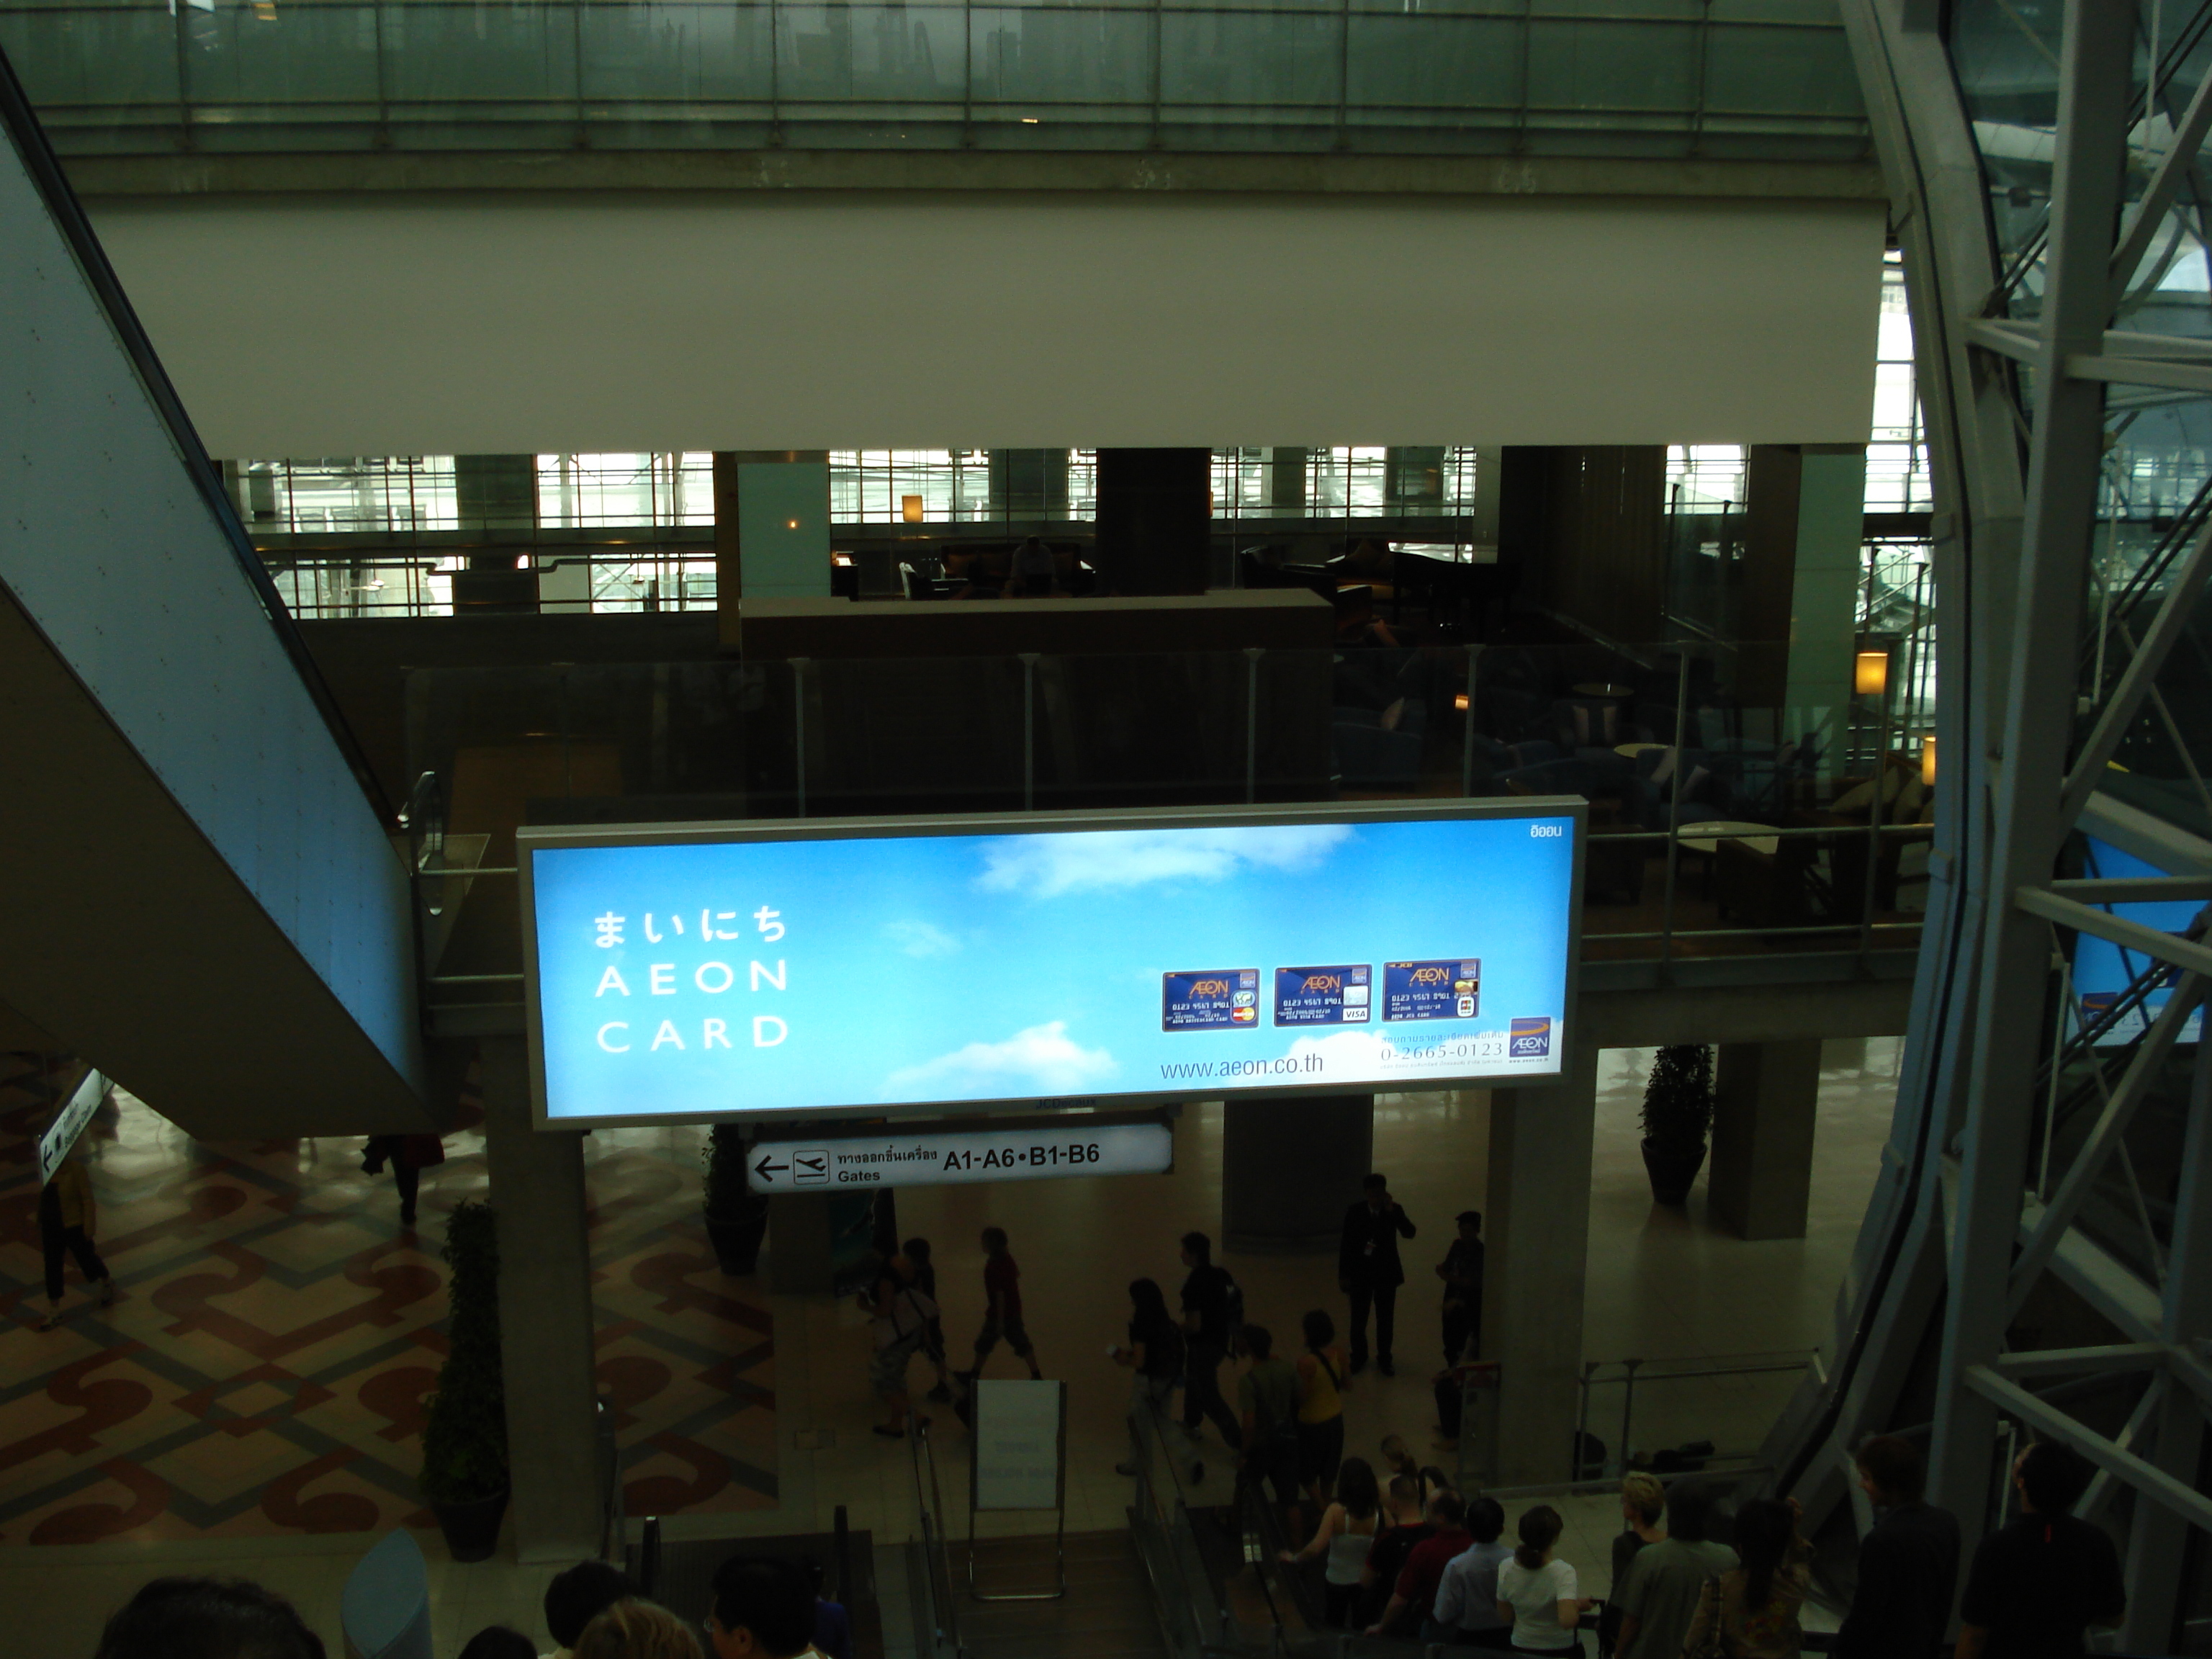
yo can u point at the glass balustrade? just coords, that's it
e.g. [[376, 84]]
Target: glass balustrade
[[1723, 79]]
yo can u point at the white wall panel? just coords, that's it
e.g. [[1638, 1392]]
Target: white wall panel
[[521, 323]]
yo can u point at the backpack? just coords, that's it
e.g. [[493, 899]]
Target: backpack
[[1232, 1311]]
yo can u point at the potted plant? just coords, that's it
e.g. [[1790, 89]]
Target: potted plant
[[464, 1468], [1677, 1111], [737, 1217]]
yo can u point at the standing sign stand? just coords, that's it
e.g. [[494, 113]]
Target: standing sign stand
[[1017, 1461]]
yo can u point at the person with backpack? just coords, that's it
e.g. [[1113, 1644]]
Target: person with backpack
[[1213, 1309], [1155, 1352], [902, 1316], [1321, 1407]]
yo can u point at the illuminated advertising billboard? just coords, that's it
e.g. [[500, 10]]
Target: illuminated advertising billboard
[[865, 966], [2103, 970]]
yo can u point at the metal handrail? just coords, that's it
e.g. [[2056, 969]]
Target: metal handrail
[[937, 1562], [1750, 1364]]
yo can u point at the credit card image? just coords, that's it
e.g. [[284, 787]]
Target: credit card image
[[1448, 989], [1338, 994], [1209, 998]]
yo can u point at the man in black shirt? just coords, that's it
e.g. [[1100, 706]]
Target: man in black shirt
[[2039, 1584], [1462, 1272], [1205, 1326], [1368, 1269], [1908, 1563]]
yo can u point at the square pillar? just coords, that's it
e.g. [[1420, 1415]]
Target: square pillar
[[1536, 1220], [771, 530], [1290, 1168], [546, 1327], [1766, 1097]]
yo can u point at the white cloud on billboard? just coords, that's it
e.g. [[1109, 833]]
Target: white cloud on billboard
[[1347, 1055], [1045, 866], [919, 939], [1042, 1059]]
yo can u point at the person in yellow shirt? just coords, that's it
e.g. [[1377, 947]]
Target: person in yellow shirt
[[67, 1217]]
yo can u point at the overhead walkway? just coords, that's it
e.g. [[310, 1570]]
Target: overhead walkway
[[199, 894]]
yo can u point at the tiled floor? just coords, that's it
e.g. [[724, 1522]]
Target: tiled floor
[[1663, 1284]]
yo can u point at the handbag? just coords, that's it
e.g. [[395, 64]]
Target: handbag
[[1715, 1645]]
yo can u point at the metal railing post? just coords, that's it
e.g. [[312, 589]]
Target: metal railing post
[[798, 730], [1675, 777], [1029, 731]]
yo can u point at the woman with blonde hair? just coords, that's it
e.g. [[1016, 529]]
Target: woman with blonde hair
[[633, 1629]]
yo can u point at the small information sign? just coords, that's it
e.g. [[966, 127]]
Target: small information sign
[[1017, 1444]]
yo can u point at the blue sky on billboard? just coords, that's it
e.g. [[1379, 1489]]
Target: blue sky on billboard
[[700, 976]]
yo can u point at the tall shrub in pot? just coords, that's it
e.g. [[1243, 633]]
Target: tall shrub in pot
[[737, 1217], [1677, 1115], [465, 1467]]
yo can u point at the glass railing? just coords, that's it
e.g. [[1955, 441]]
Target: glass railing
[[1720, 826], [1722, 79]]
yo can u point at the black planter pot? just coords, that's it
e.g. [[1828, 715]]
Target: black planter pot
[[738, 1243], [1672, 1169], [471, 1530]]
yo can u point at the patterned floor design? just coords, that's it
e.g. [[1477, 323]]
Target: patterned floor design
[[264, 1368]]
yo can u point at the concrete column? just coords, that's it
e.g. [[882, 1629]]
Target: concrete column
[[1290, 1168], [1766, 1096], [495, 492], [545, 1321], [1537, 1222], [1028, 483], [799, 1245], [1413, 478], [1155, 525], [1286, 480], [1823, 596], [771, 530]]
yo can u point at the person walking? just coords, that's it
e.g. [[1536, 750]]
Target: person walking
[[1908, 1562], [1345, 1534], [1321, 1406], [1002, 1303], [1753, 1607], [409, 1156], [69, 1217], [1466, 1613], [1462, 1272], [1369, 1272], [1155, 1352], [2037, 1584], [918, 1251], [1659, 1596], [1205, 1297], [899, 1327], [1538, 1592], [1267, 1413]]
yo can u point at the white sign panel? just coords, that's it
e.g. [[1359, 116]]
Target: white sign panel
[[61, 1135], [962, 1156], [1017, 1444]]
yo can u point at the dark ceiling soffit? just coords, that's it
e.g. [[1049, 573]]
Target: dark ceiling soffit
[[48, 177]]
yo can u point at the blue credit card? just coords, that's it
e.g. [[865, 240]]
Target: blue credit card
[[1210, 1000], [1449, 989], [1342, 995]]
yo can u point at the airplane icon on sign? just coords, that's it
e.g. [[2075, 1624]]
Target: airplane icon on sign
[[810, 1167]]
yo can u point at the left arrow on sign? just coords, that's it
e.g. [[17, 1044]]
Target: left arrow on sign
[[768, 1171]]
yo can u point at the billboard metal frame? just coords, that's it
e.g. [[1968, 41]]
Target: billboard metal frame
[[532, 839]]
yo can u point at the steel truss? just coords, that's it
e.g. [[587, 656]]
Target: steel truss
[[1957, 1237]]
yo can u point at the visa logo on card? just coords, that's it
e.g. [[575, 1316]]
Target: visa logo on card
[[1530, 1039]]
